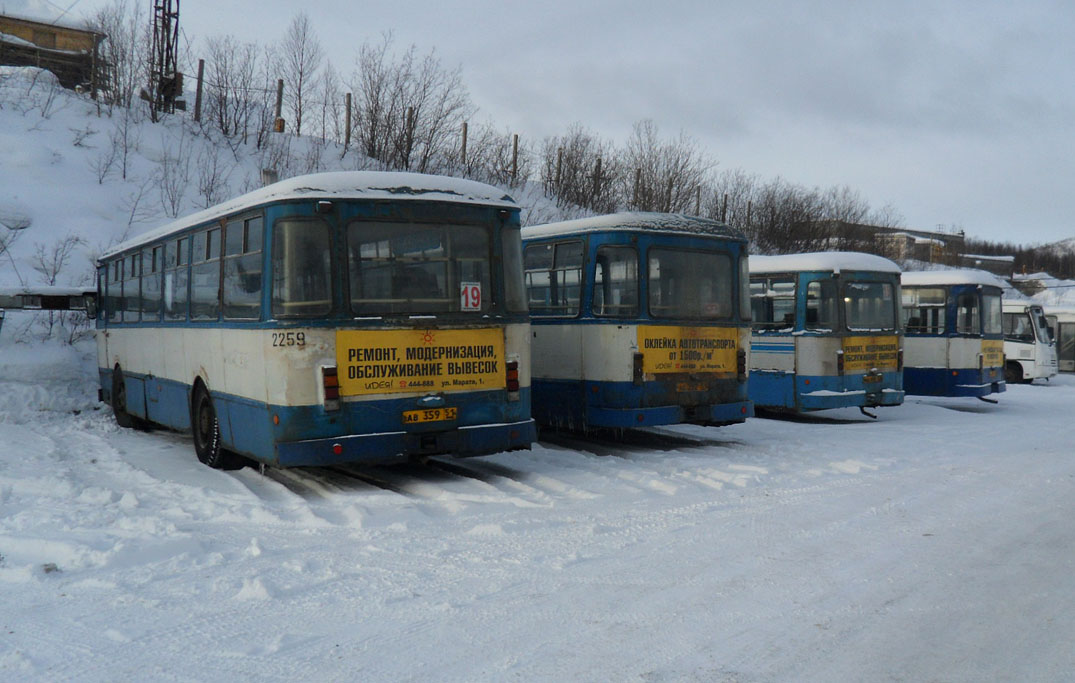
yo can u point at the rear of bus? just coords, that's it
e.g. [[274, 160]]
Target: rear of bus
[[954, 344], [401, 330], [831, 338], [638, 326]]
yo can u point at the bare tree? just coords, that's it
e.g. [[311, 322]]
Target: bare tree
[[667, 175], [581, 169], [231, 67], [213, 173], [408, 109], [124, 24], [301, 58], [173, 174], [50, 263]]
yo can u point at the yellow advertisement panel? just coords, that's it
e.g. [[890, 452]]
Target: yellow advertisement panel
[[861, 354], [993, 353], [671, 348], [390, 361]]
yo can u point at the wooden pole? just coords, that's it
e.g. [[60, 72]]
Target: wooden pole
[[346, 121], [698, 201], [514, 158], [278, 123], [198, 91], [724, 209], [463, 147]]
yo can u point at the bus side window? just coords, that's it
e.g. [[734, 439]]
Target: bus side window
[[772, 303], [554, 278], [241, 289], [821, 305], [151, 283], [205, 276]]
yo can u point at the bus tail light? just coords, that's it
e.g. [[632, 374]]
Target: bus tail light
[[330, 382], [638, 374], [513, 379], [840, 362], [741, 365], [899, 361]]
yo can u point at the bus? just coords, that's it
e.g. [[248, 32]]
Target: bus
[[639, 319], [953, 335], [1062, 321], [348, 317], [826, 332], [1029, 350]]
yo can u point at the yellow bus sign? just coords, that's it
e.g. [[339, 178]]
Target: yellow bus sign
[[672, 348], [862, 354], [388, 361]]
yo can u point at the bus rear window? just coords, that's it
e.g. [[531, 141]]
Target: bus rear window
[[991, 314], [870, 306], [399, 268], [301, 268], [692, 285]]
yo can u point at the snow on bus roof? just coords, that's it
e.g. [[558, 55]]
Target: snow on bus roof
[[823, 261], [952, 276], [339, 185], [636, 221]]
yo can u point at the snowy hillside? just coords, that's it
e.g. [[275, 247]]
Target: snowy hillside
[[68, 169]]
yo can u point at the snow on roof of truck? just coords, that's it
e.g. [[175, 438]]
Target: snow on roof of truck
[[339, 185], [637, 221], [821, 261], [953, 276]]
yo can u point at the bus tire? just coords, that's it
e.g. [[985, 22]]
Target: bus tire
[[206, 428], [119, 400], [1013, 373]]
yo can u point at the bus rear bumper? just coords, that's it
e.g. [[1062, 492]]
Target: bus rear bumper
[[627, 418], [825, 400], [396, 446]]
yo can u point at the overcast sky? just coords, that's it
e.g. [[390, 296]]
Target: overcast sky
[[956, 113]]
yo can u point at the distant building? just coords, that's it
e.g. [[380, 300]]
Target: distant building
[[898, 243], [1004, 266], [72, 54]]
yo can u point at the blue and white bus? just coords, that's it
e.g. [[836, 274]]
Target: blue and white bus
[[826, 332], [638, 319], [1029, 347], [953, 334], [329, 318]]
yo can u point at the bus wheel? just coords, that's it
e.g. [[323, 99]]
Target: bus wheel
[[1013, 373], [119, 400], [206, 428]]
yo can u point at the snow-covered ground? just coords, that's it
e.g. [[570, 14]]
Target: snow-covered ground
[[935, 543]]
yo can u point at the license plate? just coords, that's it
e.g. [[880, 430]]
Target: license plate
[[870, 379], [683, 387], [430, 415]]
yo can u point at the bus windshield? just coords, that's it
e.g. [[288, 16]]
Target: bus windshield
[[694, 285], [398, 268], [870, 306]]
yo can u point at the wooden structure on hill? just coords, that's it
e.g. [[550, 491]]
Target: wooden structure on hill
[[73, 54]]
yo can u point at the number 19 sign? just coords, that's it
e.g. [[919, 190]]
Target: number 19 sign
[[470, 296]]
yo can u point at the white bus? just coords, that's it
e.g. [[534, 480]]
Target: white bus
[[1028, 346]]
